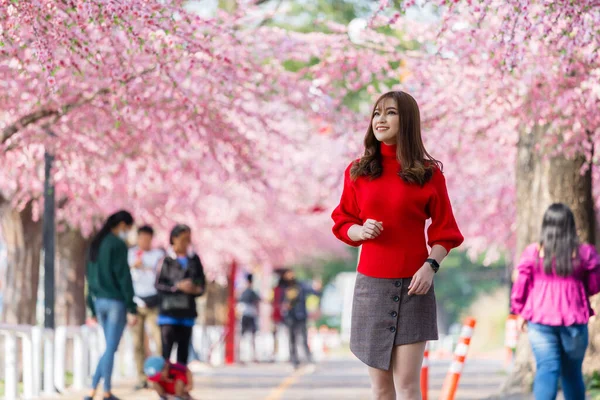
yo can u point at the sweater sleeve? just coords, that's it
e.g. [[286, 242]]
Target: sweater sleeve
[[90, 303], [123, 275], [89, 272], [591, 264], [90, 300], [443, 230], [346, 214], [524, 280], [163, 284], [200, 279]]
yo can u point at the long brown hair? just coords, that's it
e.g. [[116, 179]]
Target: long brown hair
[[417, 164]]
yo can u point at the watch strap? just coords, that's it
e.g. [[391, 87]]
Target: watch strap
[[434, 264]]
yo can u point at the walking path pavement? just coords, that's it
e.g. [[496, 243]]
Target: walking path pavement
[[338, 377]]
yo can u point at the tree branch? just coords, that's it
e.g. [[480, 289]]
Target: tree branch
[[28, 119], [39, 115]]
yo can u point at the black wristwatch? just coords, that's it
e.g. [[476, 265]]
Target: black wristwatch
[[435, 266]]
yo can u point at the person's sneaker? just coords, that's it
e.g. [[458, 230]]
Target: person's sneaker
[[141, 386]]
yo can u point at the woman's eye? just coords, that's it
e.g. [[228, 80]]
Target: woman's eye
[[392, 113], [376, 113]]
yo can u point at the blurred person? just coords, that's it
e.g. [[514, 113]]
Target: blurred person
[[313, 300], [169, 379], [388, 195], [179, 281], [295, 314], [249, 301], [110, 292], [277, 315], [143, 261], [554, 280]]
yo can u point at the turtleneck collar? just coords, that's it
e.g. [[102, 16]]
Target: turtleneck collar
[[388, 151]]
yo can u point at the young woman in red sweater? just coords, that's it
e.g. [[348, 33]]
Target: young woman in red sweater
[[388, 195]]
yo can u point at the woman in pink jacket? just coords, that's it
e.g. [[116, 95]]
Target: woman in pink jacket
[[556, 277]]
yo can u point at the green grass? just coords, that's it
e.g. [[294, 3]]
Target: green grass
[[593, 384], [20, 389]]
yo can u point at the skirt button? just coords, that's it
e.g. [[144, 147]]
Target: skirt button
[[394, 314], [392, 329]]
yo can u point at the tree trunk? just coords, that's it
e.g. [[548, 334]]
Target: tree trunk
[[216, 304], [23, 238], [70, 278], [592, 357], [541, 182]]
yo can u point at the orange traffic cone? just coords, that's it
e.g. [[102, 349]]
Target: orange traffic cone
[[425, 373], [460, 353]]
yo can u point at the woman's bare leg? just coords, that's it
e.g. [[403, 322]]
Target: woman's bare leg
[[382, 384], [406, 365]]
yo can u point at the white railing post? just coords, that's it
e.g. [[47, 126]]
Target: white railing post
[[36, 359], [216, 351], [80, 359], [283, 338], [96, 348], [10, 366], [124, 366], [27, 365], [49, 362], [60, 344], [127, 348], [118, 374]]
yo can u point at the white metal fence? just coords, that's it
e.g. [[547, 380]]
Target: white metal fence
[[37, 359], [36, 351]]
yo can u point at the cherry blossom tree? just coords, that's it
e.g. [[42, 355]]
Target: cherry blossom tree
[[510, 91], [177, 117]]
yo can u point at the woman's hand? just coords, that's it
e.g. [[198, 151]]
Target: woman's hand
[[369, 230], [521, 324], [421, 282], [186, 285]]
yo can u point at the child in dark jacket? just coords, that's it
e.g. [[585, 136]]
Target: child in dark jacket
[[180, 279], [169, 379]]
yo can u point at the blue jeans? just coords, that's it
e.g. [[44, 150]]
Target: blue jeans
[[559, 352], [112, 316]]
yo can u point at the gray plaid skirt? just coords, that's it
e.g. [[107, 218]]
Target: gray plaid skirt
[[384, 316]]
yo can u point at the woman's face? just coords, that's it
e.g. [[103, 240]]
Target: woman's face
[[122, 230], [289, 276], [386, 121], [182, 242]]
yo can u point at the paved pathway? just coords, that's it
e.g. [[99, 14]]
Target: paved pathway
[[335, 378]]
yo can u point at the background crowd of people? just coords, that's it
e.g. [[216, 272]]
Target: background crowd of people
[[154, 291]]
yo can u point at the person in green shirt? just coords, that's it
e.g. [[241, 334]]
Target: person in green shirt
[[110, 292]]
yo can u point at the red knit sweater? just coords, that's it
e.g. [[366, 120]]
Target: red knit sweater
[[403, 209]]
